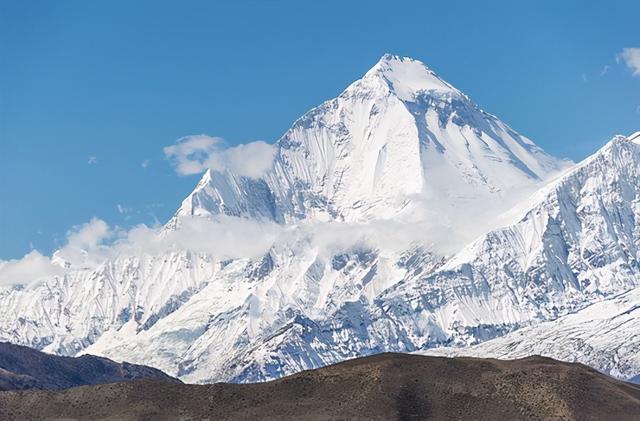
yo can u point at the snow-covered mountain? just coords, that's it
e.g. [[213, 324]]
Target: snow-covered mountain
[[606, 257], [398, 139], [603, 335], [400, 154]]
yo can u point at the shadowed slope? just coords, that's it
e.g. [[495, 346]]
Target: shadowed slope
[[26, 368]]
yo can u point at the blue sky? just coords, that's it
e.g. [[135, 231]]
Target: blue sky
[[91, 90]]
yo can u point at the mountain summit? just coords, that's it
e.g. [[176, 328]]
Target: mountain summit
[[397, 143], [408, 78]]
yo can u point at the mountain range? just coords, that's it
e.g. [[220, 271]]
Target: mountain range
[[407, 219]]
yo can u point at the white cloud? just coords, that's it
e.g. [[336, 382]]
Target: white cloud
[[630, 57], [32, 267], [145, 164], [226, 237], [90, 244], [605, 70], [190, 153], [442, 230], [195, 154], [85, 248], [86, 245], [249, 159], [92, 160]]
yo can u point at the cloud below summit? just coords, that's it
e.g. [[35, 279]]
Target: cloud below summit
[[32, 266], [91, 244], [198, 153], [85, 248], [224, 237]]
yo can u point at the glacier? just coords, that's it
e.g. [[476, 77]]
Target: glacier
[[413, 221]]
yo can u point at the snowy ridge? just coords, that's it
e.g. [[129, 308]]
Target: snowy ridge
[[399, 149], [604, 335], [66, 314]]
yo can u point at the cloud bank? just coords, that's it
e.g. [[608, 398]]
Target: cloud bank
[[196, 154], [91, 244], [225, 237], [32, 267]]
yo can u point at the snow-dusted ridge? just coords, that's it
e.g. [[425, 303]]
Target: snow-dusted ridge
[[604, 335], [392, 201]]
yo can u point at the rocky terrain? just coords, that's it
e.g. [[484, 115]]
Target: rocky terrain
[[381, 387]]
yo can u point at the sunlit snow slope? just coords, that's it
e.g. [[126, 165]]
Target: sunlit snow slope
[[604, 335]]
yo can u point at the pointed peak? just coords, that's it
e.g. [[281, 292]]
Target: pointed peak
[[621, 139], [407, 77], [617, 144], [388, 58], [204, 180]]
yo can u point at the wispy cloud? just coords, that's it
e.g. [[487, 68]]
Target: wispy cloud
[[92, 160], [195, 154], [584, 77], [225, 237], [631, 58], [145, 164], [123, 210], [126, 212], [605, 70]]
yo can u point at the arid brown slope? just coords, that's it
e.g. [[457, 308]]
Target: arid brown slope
[[386, 386]]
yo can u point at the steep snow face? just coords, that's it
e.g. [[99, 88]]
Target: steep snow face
[[398, 143], [585, 232], [66, 314]]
